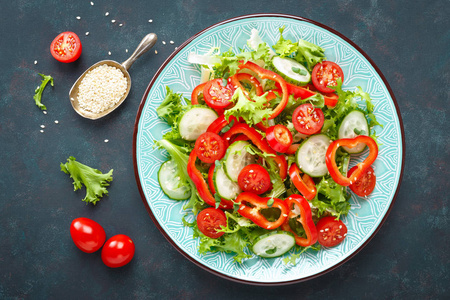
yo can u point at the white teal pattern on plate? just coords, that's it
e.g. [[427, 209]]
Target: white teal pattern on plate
[[365, 215]]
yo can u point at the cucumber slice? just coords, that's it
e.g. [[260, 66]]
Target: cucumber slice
[[236, 159], [354, 120], [170, 182], [291, 70], [273, 244], [225, 188], [311, 155], [195, 121]]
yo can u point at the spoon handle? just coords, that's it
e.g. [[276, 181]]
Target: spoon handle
[[146, 44]]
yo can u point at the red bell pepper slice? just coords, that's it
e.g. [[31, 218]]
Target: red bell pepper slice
[[202, 186], [197, 90], [330, 158], [266, 74], [331, 99], [305, 185], [238, 77], [305, 218], [259, 142], [251, 205], [218, 124]]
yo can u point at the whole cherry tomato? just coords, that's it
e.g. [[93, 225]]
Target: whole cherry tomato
[[88, 235], [118, 251]]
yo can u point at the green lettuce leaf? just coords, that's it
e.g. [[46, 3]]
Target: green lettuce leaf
[[284, 47], [251, 111], [39, 90], [309, 54], [170, 107], [94, 180]]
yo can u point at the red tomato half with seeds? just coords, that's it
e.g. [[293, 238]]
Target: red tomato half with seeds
[[254, 179], [325, 74], [331, 231], [209, 221], [66, 47], [279, 138], [88, 235], [118, 251], [209, 147], [307, 119], [365, 184], [217, 95]]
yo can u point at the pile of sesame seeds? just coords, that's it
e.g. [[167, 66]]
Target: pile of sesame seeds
[[101, 88]]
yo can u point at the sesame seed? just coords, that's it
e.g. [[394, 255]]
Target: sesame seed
[[44, 112], [35, 62], [126, 50], [107, 14], [42, 131], [150, 21], [42, 126], [106, 141], [163, 42], [78, 18], [326, 229], [109, 52], [120, 24], [321, 230], [92, 3], [113, 21], [37, 87], [156, 51], [87, 33], [56, 121], [345, 234], [171, 42], [340, 226], [176, 48], [72, 99]]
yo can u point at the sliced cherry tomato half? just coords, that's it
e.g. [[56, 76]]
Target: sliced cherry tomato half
[[279, 138], [331, 231], [216, 95], [209, 221], [254, 179], [365, 184], [209, 147], [66, 47], [88, 235], [325, 74], [118, 251], [307, 119]]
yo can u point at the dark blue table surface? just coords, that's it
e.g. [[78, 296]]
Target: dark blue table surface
[[408, 258]]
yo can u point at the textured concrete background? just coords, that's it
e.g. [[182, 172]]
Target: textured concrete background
[[408, 258]]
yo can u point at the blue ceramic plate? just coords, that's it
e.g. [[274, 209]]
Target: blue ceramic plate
[[366, 215]]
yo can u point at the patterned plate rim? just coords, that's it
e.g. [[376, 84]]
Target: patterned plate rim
[[144, 99]]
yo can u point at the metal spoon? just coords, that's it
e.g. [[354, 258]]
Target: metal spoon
[[146, 44]]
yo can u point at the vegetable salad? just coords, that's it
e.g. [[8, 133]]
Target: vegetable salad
[[261, 149]]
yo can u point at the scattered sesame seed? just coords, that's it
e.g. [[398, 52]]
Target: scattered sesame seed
[[113, 21], [44, 112], [78, 18], [87, 33], [120, 25], [150, 21], [163, 42], [156, 51], [345, 234], [37, 87], [326, 229], [106, 141], [107, 14], [92, 3], [42, 126], [109, 52], [172, 42], [35, 62], [321, 230], [176, 48], [126, 50], [72, 99], [42, 131], [56, 121]]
